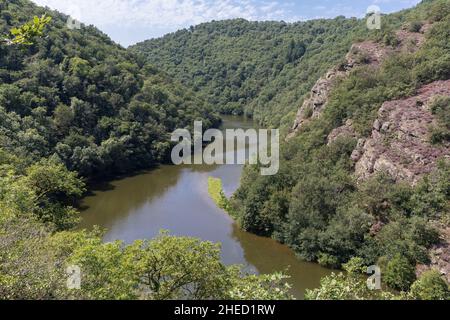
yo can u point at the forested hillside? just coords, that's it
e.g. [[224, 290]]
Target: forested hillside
[[366, 172], [364, 178], [74, 103], [76, 96], [262, 69]]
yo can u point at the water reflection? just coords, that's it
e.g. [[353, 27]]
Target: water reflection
[[175, 198]]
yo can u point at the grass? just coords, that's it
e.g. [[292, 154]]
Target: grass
[[215, 191]]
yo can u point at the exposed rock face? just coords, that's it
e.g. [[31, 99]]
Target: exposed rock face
[[363, 53], [312, 106], [412, 41], [400, 138], [346, 131], [367, 52], [399, 143]]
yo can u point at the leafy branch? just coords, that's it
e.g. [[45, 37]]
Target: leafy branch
[[25, 34]]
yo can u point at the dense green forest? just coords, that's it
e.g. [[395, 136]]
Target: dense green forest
[[76, 96], [76, 106], [73, 104], [315, 204], [262, 69]]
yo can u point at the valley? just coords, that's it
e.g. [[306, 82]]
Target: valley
[[88, 181]]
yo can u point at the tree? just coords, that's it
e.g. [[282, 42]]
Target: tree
[[79, 67], [63, 117], [430, 286], [295, 51], [346, 286], [399, 273], [26, 34], [32, 263], [51, 187], [167, 268]]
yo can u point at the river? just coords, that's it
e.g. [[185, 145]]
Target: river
[[175, 198]]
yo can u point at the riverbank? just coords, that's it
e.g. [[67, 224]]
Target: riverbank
[[176, 198]]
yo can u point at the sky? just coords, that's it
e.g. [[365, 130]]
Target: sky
[[131, 21]]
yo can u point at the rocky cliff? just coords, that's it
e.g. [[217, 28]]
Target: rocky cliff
[[364, 53], [400, 140], [316, 101]]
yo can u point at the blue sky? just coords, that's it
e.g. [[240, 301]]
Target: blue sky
[[131, 21]]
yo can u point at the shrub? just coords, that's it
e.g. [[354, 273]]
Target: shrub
[[327, 260], [415, 26], [439, 135], [439, 11], [390, 39], [399, 273], [308, 112], [440, 107], [430, 286]]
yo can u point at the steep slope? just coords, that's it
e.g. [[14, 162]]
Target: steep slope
[[258, 68], [400, 143], [78, 97], [384, 112], [366, 53], [369, 53]]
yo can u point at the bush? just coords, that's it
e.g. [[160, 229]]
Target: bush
[[308, 112], [390, 39], [415, 26], [440, 107], [346, 286], [439, 135], [439, 11], [430, 286], [399, 273], [329, 261]]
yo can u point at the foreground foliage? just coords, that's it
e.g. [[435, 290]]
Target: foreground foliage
[[82, 103], [37, 245], [27, 33], [352, 286]]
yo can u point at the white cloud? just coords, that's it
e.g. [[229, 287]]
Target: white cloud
[[165, 13], [130, 21]]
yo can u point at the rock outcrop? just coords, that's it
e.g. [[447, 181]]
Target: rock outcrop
[[313, 105], [400, 138], [411, 41], [345, 131], [364, 53]]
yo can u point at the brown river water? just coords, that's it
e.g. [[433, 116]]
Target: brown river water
[[175, 198]]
